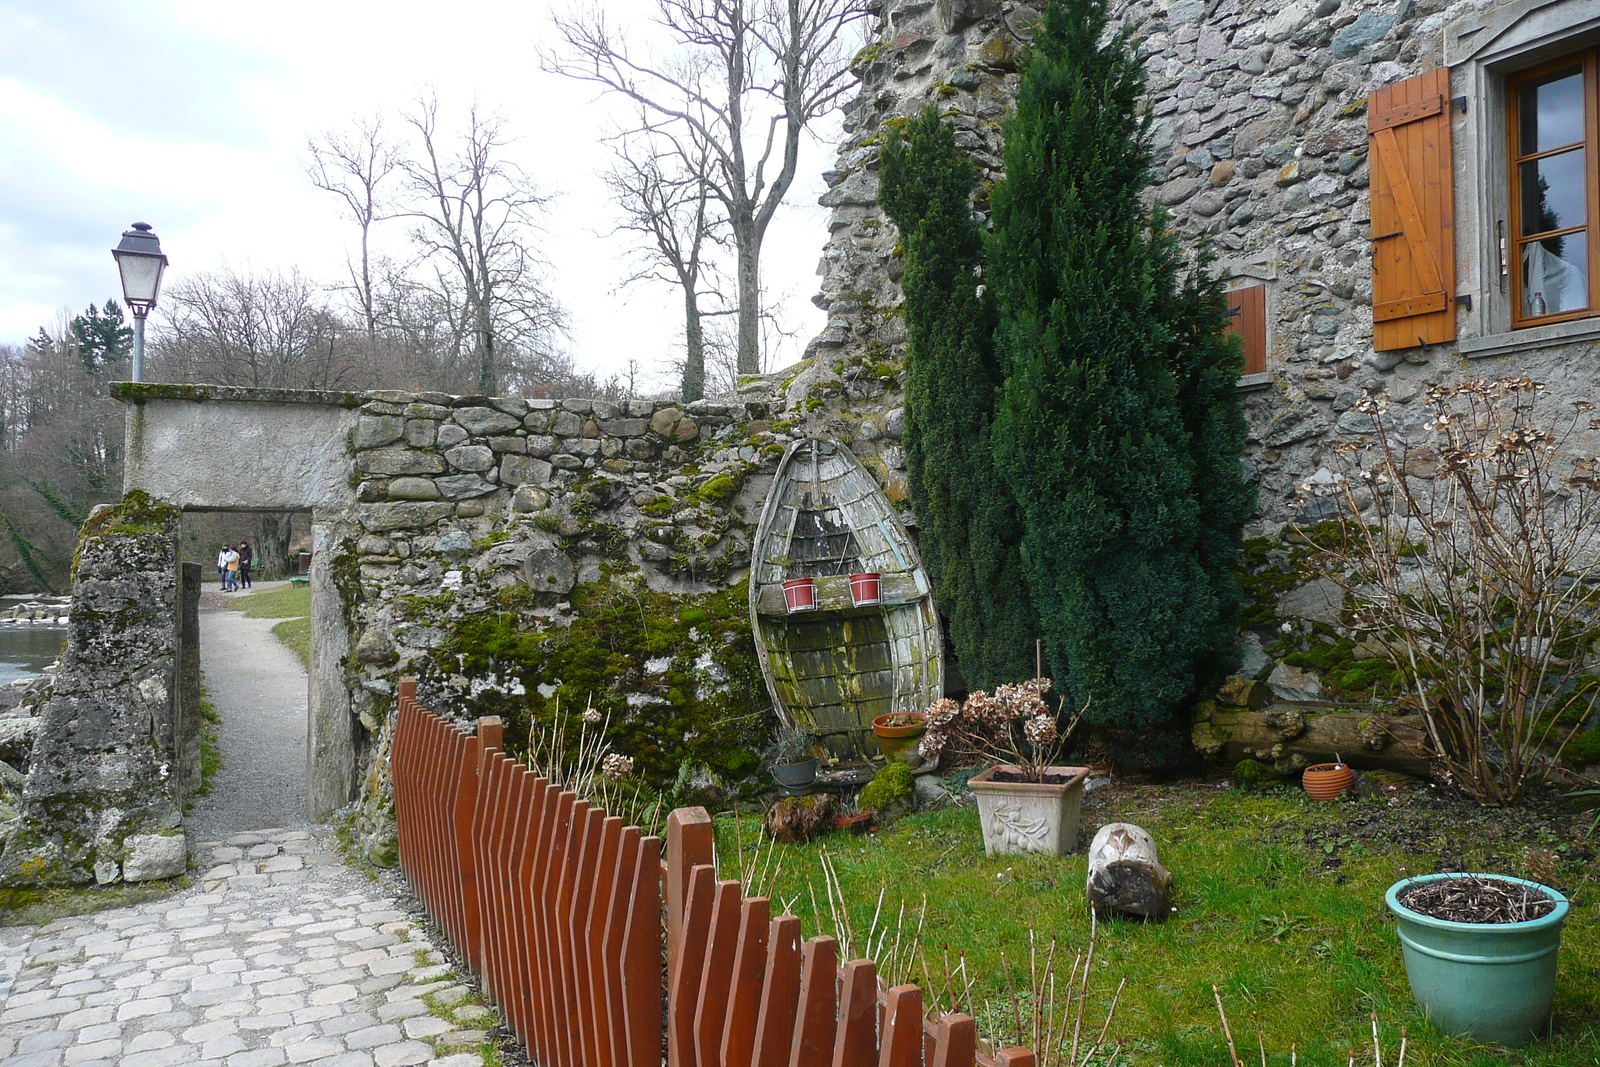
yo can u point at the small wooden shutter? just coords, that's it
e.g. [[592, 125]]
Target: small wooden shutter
[[1413, 213], [1248, 308]]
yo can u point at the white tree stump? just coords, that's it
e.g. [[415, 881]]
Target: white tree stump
[[1125, 875]]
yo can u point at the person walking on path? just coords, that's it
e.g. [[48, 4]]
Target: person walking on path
[[230, 573], [245, 559], [222, 567]]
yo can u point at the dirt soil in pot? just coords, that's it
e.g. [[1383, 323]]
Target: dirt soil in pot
[[1470, 899]]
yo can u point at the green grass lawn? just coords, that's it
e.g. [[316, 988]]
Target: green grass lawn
[[287, 602], [1280, 904], [290, 603]]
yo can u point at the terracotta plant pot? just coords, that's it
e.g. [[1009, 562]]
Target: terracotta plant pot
[[1327, 781], [1029, 816], [859, 823], [866, 589], [800, 594], [899, 743]]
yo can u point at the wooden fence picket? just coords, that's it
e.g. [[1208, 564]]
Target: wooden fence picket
[[558, 906]]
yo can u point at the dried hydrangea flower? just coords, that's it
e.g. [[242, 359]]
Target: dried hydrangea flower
[[616, 766], [1041, 729], [591, 715]]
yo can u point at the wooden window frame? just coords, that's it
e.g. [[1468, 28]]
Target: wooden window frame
[[1589, 61]]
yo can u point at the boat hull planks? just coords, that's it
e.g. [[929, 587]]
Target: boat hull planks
[[832, 669]]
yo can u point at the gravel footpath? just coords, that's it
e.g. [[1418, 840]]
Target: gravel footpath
[[260, 689]]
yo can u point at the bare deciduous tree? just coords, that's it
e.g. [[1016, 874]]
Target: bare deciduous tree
[[655, 186], [353, 165], [476, 211], [266, 330], [749, 78]]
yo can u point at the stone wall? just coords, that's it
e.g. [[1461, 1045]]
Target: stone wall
[[1260, 141], [107, 772]]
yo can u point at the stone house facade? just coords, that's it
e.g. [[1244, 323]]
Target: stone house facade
[[1400, 191]]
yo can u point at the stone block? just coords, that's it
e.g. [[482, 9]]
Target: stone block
[[152, 856], [460, 486], [1370, 28], [637, 448], [470, 457], [523, 470], [427, 411], [513, 445], [566, 424], [484, 422], [375, 431], [421, 433], [1293, 684], [392, 461], [549, 571], [411, 488], [450, 435], [529, 498], [624, 427], [378, 518], [536, 421], [541, 445]]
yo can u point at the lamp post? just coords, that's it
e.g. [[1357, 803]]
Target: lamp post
[[140, 262]]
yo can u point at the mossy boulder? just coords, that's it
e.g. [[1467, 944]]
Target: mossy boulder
[[891, 792]]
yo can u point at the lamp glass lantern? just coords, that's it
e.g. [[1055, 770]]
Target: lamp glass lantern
[[140, 262]]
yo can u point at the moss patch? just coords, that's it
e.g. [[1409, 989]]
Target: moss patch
[[677, 675]]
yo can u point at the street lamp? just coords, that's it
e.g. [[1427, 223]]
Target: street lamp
[[140, 262]]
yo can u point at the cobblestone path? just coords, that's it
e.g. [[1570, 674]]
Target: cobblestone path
[[278, 955]]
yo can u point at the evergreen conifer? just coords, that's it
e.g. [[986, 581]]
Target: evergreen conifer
[[1117, 398], [969, 528]]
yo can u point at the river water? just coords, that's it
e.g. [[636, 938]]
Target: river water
[[28, 647]]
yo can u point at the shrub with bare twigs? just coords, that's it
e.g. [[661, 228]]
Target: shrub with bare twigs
[[1471, 561]]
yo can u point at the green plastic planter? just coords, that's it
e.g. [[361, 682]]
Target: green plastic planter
[[1490, 981]]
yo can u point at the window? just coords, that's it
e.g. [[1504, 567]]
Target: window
[[1552, 144]]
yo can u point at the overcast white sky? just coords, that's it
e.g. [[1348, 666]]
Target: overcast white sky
[[193, 115]]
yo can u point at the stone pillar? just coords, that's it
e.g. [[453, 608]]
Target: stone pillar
[[330, 723], [103, 800]]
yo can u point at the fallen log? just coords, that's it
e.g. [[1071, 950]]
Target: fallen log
[[1291, 737], [1125, 875]]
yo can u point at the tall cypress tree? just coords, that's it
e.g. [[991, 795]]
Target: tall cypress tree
[[970, 529], [1093, 427], [1206, 363]]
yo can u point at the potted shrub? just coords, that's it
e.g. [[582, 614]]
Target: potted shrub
[[1480, 951], [1027, 802], [898, 734], [790, 760]]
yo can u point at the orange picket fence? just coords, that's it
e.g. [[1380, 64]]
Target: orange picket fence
[[559, 909]]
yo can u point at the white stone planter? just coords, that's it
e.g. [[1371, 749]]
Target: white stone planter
[[1029, 816]]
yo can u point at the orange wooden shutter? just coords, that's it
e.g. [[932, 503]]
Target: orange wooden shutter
[[1413, 213], [1248, 308]]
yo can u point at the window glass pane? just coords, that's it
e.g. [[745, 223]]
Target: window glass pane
[[1550, 111], [1553, 194], [1555, 275]]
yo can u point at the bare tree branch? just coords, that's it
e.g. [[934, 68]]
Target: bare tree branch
[[748, 78]]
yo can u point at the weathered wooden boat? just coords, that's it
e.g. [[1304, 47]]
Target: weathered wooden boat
[[832, 667]]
